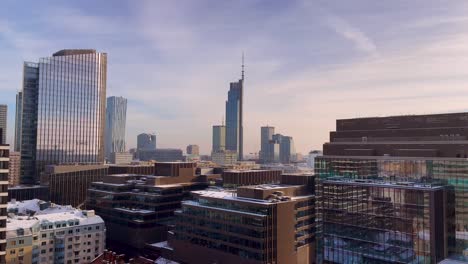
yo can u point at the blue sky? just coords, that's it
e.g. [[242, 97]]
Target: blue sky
[[307, 62]]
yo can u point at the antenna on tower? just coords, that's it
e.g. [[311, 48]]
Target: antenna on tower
[[242, 65]]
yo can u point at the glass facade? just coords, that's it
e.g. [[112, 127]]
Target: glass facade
[[452, 172], [234, 115], [63, 111], [116, 117], [364, 223], [19, 110]]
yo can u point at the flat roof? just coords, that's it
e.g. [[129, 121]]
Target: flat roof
[[370, 182]]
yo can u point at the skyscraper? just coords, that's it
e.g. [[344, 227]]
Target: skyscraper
[[146, 142], [63, 111], [3, 123], [19, 110], [219, 138], [266, 136], [234, 116], [193, 150], [116, 117]]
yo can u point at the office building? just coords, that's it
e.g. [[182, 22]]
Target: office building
[[161, 155], [368, 221], [138, 209], [266, 138], [3, 123], [146, 142], [19, 111], [121, 158], [4, 160], [276, 148], [224, 157], [68, 184], [219, 138], [234, 117], [15, 168], [63, 111], [40, 232], [142, 169], [116, 119], [193, 150], [235, 178], [421, 148], [311, 158], [28, 192], [270, 223]]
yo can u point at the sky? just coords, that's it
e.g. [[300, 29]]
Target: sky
[[307, 63]]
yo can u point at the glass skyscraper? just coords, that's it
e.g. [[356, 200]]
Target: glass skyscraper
[[19, 110], [234, 117], [63, 115], [116, 118]]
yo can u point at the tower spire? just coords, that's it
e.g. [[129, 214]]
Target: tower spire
[[242, 66]]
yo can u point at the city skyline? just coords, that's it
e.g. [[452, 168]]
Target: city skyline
[[409, 59]]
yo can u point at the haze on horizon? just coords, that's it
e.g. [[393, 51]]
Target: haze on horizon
[[308, 63]]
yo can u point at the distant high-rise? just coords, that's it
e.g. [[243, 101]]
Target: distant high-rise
[[234, 116], [63, 111], [116, 118], [193, 150], [219, 138], [19, 110], [266, 136], [3, 123], [146, 142]]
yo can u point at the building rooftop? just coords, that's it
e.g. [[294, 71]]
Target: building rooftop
[[68, 52], [380, 183]]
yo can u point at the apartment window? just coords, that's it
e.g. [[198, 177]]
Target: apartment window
[[70, 239], [20, 258], [50, 226], [43, 251], [51, 249], [70, 231], [43, 243], [13, 243], [44, 235], [21, 242], [12, 252], [98, 227]]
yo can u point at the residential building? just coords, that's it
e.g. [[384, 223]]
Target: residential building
[[19, 111], [235, 178], [3, 123], [368, 221], [419, 148], [121, 158], [4, 160], [193, 150], [68, 184], [146, 142], [219, 138], [224, 157], [116, 118], [14, 169], [161, 155], [40, 232], [139, 209], [234, 117], [63, 111], [269, 223]]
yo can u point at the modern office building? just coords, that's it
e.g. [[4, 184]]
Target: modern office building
[[276, 148], [68, 184], [146, 142], [139, 209], [219, 138], [3, 123], [311, 158], [116, 119], [38, 232], [4, 160], [63, 111], [234, 117], [224, 157], [266, 138], [193, 150], [235, 178], [421, 148], [142, 169], [28, 192], [15, 168], [368, 221], [121, 158], [270, 223], [19, 111], [161, 155]]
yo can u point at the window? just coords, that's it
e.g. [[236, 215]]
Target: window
[[43, 243], [97, 227], [44, 235], [21, 242], [12, 252], [13, 243]]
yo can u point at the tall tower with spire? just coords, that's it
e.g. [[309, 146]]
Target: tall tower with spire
[[235, 115]]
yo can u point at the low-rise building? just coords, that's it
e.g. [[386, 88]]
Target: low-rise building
[[121, 158], [40, 232]]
